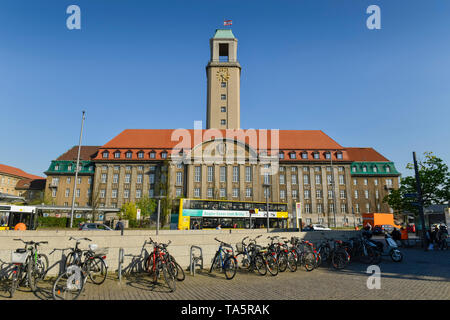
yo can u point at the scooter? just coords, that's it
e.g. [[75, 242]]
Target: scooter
[[391, 249]]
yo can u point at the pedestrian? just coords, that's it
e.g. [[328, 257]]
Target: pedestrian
[[428, 242], [119, 225], [218, 227]]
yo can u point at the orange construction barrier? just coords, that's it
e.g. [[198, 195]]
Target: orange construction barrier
[[20, 226], [404, 234]]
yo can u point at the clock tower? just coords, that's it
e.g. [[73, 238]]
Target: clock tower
[[223, 74]]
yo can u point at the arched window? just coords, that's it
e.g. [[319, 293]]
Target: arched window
[[388, 169], [375, 169], [364, 168]]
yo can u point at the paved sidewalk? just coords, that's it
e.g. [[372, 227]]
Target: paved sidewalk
[[421, 275]]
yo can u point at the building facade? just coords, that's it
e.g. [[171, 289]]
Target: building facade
[[16, 182]]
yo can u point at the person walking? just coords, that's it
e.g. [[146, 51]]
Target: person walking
[[119, 225]]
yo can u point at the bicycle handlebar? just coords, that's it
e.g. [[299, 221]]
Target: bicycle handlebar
[[79, 239], [37, 243]]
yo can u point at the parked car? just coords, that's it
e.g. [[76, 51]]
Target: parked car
[[94, 226], [379, 229], [315, 227]]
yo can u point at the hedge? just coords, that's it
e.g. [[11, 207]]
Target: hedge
[[58, 222]]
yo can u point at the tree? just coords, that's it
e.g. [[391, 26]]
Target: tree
[[435, 182], [128, 211], [147, 206]]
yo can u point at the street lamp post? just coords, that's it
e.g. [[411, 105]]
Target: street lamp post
[[332, 189], [159, 213], [267, 186], [76, 171]]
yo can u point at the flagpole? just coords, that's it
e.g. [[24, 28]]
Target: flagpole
[[76, 171]]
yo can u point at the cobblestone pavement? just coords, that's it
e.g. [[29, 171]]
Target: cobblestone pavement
[[421, 275]]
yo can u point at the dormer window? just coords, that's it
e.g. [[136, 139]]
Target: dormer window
[[105, 155], [327, 155], [339, 155], [117, 154], [388, 169], [375, 169], [164, 155], [152, 155], [304, 155], [141, 154], [292, 155], [56, 167], [364, 168], [281, 155], [316, 155], [129, 154], [353, 169]]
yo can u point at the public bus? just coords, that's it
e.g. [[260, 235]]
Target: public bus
[[11, 215], [208, 214]]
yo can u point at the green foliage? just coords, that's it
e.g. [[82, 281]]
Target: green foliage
[[128, 211], [54, 222], [147, 206], [435, 183]]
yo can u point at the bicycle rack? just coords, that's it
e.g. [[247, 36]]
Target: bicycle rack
[[119, 271], [195, 260]]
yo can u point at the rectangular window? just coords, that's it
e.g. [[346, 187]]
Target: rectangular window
[[355, 182], [210, 174], [223, 174], [329, 179], [223, 96], [223, 122], [248, 192], [54, 193], [375, 182], [222, 192], [197, 192], [55, 181], [67, 192], [282, 194], [127, 178], [306, 194], [178, 192], [365, 182], [305, 179], [151, 193], [376, 194], [331, 207], [223, 84], [152, 178], [366, 193], [223, 109], [266, 178], [341, 179], [103, 178], [197, 174], [248, 174], [292, 155], [102, 193], [235, 192], [281, 178], [318, 179], [210, 192], [116, 178], [126, 193], [179, 178], [319, 208], [294, 194], [114, 193], [294, 179], [77, 193], [330, 194], [138, 194], [68, 179], [357, 208], [235, 174], [307, 208], [139, 178], [342, 194], [356, 194], [319, 194]]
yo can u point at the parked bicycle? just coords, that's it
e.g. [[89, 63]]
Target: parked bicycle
[[80, 265], [249, 257], [159, 262], [29, 266], [224, 260]]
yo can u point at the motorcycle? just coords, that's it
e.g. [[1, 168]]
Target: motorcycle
[[390, 249]]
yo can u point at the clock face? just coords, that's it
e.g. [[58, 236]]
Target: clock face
[[222, 74]]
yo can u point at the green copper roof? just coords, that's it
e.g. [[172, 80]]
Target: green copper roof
[[373, 168], [68, 167], [224, 34]]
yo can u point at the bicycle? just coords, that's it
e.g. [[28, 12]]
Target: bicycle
[[248, 256], [29, 266], [158, 261], [224, 260], [80, 265], [305, 254]]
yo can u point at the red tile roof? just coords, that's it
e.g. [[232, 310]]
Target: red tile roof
[[365, 154], [17, 172], [160, 140], [30, 184]]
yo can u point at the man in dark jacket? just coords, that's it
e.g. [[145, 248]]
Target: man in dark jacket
[[119, 225]]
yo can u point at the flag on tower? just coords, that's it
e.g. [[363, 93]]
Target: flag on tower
[[227, 23]]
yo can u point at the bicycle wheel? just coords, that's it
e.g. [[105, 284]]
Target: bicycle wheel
[[272, 265], [338, 259], [15, 279], [215, 262], [396, 255], [42, 265], [309, 261], [243, 261], [31, 273], [291, 262], [68, 286], [230, 267], [70, 260], [260, 265], [179, 272], [282, 262], [97, 270], [169, 276]]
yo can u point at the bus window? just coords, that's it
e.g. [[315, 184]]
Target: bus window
[[238, 206], [226, 223], [226, 205], [196, 204], [239, 222], [210, 222], [283, 207], [248, 205], [214, 205]]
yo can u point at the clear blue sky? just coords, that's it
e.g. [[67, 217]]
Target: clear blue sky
[[305, 65]]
